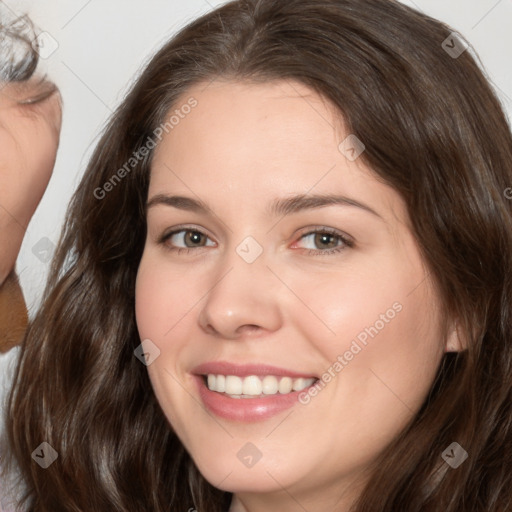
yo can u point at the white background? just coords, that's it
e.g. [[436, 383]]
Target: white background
[[103, 43]]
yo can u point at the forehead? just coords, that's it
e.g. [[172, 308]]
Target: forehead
[[246, 141]]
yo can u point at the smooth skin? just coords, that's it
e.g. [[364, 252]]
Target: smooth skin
[[30, 122], [298, 305]]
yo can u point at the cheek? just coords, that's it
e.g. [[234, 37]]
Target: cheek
[[167, 299], [377, 329], [357, 300], [158, 308], [163, 297]]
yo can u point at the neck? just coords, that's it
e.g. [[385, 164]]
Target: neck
[[339, 497]]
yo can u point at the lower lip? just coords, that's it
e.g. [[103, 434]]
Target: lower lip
[[245, 410]]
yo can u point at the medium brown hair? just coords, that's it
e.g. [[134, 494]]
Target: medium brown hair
[[433, 130]]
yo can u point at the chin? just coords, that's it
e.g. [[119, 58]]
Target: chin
[[229, 474]]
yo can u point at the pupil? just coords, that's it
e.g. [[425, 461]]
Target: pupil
[[194, 237]]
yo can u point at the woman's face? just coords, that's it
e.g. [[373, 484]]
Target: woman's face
[[275, 259]]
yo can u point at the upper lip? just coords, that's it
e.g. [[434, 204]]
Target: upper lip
[[244, 370]]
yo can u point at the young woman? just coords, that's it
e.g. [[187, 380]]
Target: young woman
[[284, 281]]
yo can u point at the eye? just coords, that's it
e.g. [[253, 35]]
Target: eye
[[324, 241], [185, 239], [317, 241]]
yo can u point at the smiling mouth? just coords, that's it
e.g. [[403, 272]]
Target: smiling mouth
[[254, 386]]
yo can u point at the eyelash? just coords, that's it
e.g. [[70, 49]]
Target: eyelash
[[345, 241], [46, 89], [36, 102]]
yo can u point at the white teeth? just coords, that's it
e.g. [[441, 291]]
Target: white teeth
[[270, 385], [299, 384], [254, 386], [285, 385], [220, 383], [233, 385]]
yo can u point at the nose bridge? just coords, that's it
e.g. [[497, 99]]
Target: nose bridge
[[243, 294]]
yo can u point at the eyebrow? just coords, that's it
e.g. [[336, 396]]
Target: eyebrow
[[284, 206]]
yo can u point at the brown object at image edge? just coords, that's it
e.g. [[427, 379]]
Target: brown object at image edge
[[13, 313]]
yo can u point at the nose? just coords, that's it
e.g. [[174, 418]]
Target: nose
[[243, 301]]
